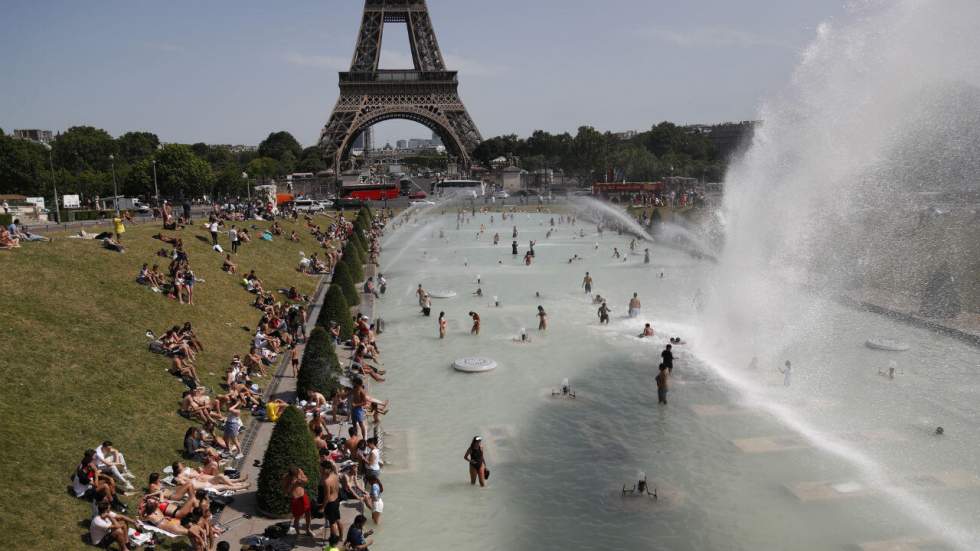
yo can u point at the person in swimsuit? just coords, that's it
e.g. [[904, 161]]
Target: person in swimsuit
[[603, 313], [647, 331], [542, 319], [294, 360], [474, 456], [442, 325], [358, 401], [299, 503], [331, 498], [634, 306], [587, 283], [476, 323]]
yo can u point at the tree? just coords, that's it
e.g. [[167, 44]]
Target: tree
[[83, 148], [22, 163], [180, 173], [342, 277], [336, 309], [320, 367], [589, 152], [291, 445], [277, 144], [311, 160], [135, 146], [263, 167]]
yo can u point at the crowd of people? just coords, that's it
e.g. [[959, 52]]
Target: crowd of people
[[180, 500]]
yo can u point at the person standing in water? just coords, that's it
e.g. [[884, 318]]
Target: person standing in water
[[634, 306], [542, 319], [662, 385], [515, 233], [421, 294], [587, 283], [513, 247], [442, 325], [787, 373], [646, 256], [478, 466], [604, 314], [667, 359], [476, 323]]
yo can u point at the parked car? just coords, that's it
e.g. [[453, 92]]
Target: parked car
[[501, 194], [418, 194], [421, 202], [307, 205]]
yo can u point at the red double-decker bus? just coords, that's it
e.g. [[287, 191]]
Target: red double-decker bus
[[370, 191]]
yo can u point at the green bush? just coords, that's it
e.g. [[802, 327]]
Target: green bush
[[6, 219], [342, 277], [354, 260], [335, 308], [320, 367], [291, 445]]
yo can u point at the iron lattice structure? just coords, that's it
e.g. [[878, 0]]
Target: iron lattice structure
[[426, 94]]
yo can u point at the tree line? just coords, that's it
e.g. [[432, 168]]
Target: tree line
[[82, 159], [590, 155]]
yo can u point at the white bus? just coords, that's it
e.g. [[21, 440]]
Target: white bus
[[465, 188]]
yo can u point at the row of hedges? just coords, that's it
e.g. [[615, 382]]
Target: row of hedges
[[291, 444], [320, 368]]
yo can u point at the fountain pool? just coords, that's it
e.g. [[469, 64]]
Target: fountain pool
[[738, 460]]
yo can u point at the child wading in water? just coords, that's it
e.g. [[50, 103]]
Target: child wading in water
[[442, 325], [542, 319]]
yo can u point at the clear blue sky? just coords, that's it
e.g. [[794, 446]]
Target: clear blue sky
[[230, 72]]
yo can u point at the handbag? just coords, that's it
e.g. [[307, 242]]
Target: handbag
[[486, 473]]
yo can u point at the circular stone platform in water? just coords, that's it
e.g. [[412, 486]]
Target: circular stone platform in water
[[884, 343], [442, 294], [473, 364]]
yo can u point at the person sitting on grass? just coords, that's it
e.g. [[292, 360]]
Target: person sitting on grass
[[188, 336], [108, 527], [197, 446], [196, 405], [229, 266], [8, 241], [253, 283], [276, 229], [111, 461], [162, 514], [293, 236], [88, 480]]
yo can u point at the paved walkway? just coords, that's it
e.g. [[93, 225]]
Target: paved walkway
[[283, 387]]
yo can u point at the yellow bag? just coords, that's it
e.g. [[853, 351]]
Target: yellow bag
[[272, 411]]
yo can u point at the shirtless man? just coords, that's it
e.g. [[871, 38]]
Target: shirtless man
[[358, 403], [317, 400], [542, 319], [476, 323], [587, 283], [421, 294], [331, 498], [294, 360], [634, 306]]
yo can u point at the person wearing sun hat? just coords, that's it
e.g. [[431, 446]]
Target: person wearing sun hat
[[478, 465]]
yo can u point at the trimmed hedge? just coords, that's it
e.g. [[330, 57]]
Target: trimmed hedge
[[354, 261], [320, 367], [342, 277], [291, 445], [335, 308]]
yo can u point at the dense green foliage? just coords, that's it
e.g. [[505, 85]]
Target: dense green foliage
[[342, 277], [320, 367], [336, 309], [291, 445], [665, 150]]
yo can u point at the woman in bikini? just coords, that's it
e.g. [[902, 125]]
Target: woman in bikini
[[442, 325]]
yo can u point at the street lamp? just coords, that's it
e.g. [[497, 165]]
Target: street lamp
[[156, 190], [247, 187], [54, 182], [115, 188]]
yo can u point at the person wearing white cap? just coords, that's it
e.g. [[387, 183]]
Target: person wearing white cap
[[478, 465]]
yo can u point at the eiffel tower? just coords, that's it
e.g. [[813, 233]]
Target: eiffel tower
[[426, 94]]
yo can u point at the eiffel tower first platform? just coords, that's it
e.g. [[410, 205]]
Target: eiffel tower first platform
[[426, 94]]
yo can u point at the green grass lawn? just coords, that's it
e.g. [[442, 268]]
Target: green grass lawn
[[76, 369]]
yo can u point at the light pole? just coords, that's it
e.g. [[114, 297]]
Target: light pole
[[54, 183], [247, 188], [156, 190], [115, 188]]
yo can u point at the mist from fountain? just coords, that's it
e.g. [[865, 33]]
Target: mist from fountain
[[823, 190]]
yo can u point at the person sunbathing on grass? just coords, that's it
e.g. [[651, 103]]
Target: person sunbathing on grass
[[293, 236], [188, 336], [196, 445], [168, 239], [276, 229], [229, 266], [162, 514], [177, 345], [201, 481], [197, 405], [182, 368], [8, 241]]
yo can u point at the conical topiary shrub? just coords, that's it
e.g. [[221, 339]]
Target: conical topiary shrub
[[342, 277], [291, 445], [320, 367], [335, 309], [354, 261]]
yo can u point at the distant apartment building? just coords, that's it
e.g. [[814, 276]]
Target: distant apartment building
[[627, 135], [401, 144], [236, 148], [34, 135]]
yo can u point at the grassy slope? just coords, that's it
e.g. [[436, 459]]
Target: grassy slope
[[76, 370]]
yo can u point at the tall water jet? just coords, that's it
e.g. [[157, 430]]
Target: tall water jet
[[857, 183]]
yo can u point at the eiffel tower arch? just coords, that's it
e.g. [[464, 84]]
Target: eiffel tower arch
[[426, 94]]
